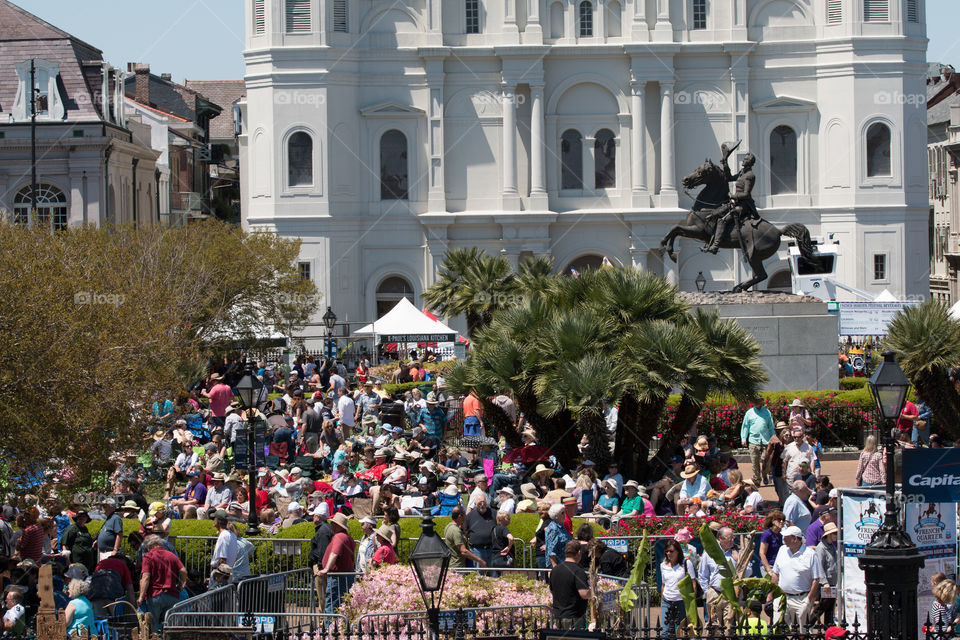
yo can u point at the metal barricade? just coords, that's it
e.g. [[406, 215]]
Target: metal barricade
[[290, 591], [271, 555], [215, 608], [485, 621]]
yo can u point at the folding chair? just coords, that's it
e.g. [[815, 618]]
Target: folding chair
[[306, 464]]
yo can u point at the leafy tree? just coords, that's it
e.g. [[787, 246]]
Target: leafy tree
[[100, 322], [927, 342]]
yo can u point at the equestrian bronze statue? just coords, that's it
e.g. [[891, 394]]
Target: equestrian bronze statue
[[725, 221]]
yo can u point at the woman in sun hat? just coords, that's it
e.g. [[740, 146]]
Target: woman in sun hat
[[799, 416], [384, 553]]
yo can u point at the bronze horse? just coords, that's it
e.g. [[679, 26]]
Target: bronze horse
[[757, 238]]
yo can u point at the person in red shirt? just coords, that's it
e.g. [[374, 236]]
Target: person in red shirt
[[220, 397], [115, 563], [339, 558], [472, 412], [907, 417], [384, 553], [30, 543], [161, 580]]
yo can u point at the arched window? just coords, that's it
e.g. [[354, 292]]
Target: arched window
[[556, 21], [783, 160], [614, 20], [571, 160], [472, 10], [878, 150], [390, 291], [586, 19], [300, 160], [394, 174], [581, 264], [605, 160], [51, 207]]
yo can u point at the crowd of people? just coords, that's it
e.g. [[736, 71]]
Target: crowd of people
[[338, 446]]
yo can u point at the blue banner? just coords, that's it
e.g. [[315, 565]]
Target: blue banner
[[933, 474]]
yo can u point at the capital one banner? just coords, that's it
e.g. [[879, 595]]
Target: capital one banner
[[933, 474]]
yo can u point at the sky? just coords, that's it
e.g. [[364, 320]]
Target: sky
[[203, 39]]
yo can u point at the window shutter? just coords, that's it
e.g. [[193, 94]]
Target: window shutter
[[298, 16], [913, 11], [340, 23], [259, 17], [876, 10], [834, 12]]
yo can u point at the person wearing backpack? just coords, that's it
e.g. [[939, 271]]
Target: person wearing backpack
[[110, 582]]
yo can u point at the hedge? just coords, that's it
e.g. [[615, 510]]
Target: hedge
[[852, 383]]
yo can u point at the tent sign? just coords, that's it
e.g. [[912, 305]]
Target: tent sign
[[419, 337]]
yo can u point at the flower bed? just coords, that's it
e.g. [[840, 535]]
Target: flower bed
[[669, 525]]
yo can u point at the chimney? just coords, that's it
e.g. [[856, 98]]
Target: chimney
[[143, 83], [166, 76]]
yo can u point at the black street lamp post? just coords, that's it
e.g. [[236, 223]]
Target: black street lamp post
[[701, 282], [329, 321], [891, 562], [249, 389], [431, 559]]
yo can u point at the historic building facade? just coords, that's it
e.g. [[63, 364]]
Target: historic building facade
[[384, 133]]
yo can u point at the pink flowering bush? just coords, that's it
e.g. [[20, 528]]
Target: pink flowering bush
[[393, 588]]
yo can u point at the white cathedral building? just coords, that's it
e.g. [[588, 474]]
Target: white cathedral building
[[384, 132]]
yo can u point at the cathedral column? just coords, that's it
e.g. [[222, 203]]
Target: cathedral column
[[668, 180], [663, 31], [511, 196], [638, 147], [511, 32], [640, 29], [437, 193], [538, 174], [533, 33]]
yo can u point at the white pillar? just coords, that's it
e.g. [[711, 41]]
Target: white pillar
[[437, 194], [511, 196], [589, 163], [511, 32], [538, 174], [668, 180], [640, 31], [638, 146], [533, 34], [663, 31]]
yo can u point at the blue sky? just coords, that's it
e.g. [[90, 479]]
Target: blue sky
[[203, 39]]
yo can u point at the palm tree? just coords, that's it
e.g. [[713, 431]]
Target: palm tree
[[731, 366], [473, 284], [927, 342]]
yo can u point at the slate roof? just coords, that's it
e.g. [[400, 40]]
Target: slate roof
[[24, 36], [940, 112], [223, 93]]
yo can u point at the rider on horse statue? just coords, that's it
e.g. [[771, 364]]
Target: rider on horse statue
[[741, 206]]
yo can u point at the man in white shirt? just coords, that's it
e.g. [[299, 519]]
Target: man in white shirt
[[480, 488], [225, 550], [233, 422], [796, 452], [13, 619], [346, 410], [694, 484], [798, 572]]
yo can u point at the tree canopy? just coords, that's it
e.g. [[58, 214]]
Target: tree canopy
[[562, 346], [99, 322]]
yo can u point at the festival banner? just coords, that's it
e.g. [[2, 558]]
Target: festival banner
[[933, 528], [861, 514], [932, 473]]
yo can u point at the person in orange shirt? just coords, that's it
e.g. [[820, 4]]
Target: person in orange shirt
[[472, 411]]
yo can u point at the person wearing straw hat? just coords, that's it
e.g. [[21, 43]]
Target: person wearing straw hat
[[368, 543], [77, 543], [541, 477], [753, 501], [385, 553], [433, 419], [162, 448], [694, 485], [826, 551], [609, 503], [635, 502], [218, 496], [799, 416], [755, 433], [339, 558]]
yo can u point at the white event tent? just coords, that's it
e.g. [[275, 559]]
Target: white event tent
[[404, 324]]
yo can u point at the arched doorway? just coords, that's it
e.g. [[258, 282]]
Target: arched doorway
[[579, 265], [390, 291]]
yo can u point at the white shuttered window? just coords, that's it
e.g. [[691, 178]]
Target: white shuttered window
[[876, 10], [259, 17], [298, 16], [834, 12], [340, 23]]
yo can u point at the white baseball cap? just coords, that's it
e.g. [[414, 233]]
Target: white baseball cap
[[321, 510], [792, 531], [833, 494]]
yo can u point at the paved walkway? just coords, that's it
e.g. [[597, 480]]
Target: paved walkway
[[843, 474]]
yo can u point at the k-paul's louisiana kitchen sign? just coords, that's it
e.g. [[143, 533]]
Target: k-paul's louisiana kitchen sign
[[418, 337], [931, 475]]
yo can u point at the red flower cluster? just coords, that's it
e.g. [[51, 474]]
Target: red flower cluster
[[670, 525]]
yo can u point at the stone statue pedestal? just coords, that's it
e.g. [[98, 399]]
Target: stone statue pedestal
[[798, 337]]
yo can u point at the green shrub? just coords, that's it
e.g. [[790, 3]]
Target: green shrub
[[395, 389], [852, 383]]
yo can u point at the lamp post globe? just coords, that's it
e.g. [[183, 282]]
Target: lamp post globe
[[249, 389], [891, 562], [701, 282], [430, 560]]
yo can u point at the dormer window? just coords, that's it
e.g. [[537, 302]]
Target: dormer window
[[37, 90]]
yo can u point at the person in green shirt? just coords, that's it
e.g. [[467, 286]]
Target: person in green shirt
[[78, 541], [456, 541], [632, 501], [753, 625]]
